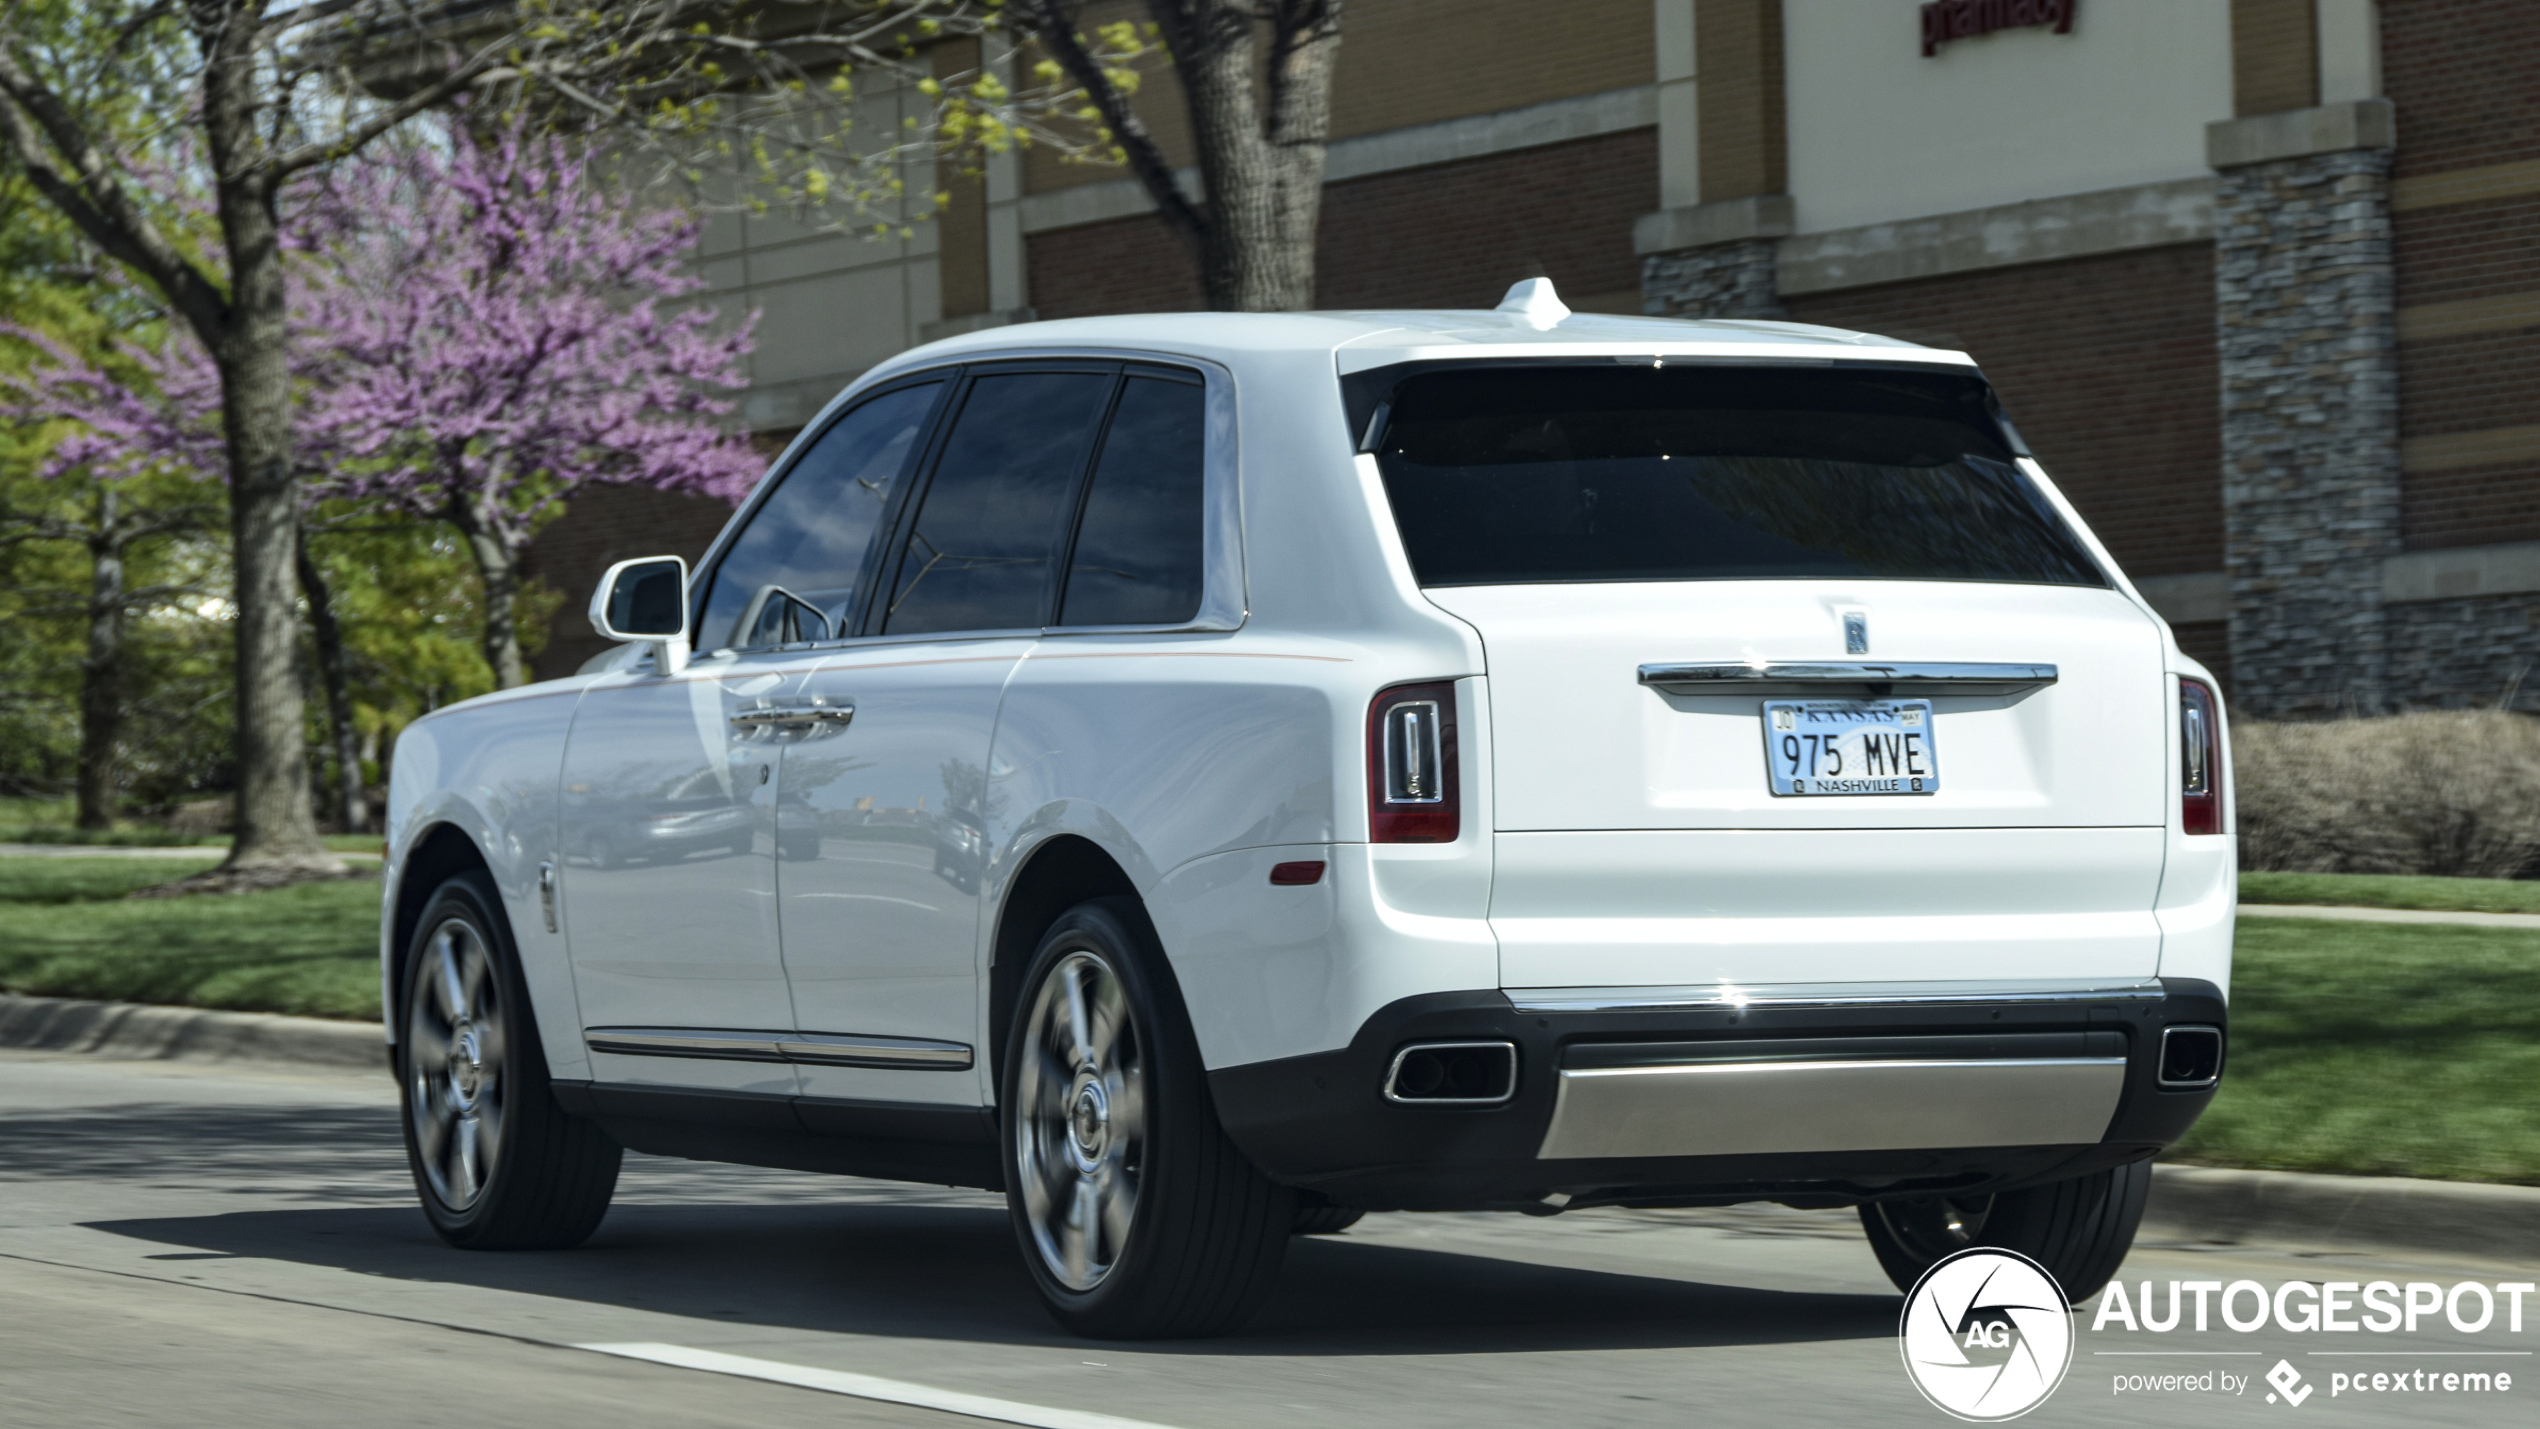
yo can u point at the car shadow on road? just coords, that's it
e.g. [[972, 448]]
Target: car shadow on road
[[730, 1245]]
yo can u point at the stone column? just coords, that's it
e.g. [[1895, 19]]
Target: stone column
[[2305, 301], [1713, 260]]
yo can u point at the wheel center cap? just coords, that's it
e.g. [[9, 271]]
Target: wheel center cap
[[1089, 1122], [467, 1066]]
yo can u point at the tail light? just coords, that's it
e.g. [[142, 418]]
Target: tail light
[[2199, 758], [1413, 792]]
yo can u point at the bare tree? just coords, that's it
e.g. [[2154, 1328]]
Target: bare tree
[[1260, 154]]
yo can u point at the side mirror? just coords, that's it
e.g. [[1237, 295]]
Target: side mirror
[[646, 600]]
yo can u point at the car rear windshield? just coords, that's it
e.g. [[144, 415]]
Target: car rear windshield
[[1516, 475]]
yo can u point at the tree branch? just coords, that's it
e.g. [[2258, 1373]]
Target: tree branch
[[1057, 28], [431, 96], [95, 202]]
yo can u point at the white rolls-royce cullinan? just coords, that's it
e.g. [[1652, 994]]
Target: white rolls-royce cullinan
[[1209, 776]]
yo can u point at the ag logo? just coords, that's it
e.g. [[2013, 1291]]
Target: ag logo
[[1986, 1335]]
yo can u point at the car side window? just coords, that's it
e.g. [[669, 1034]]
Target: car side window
[[791, 575], [1138, 546], [991, 522]]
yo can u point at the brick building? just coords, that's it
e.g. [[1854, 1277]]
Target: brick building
[[2256, 278]]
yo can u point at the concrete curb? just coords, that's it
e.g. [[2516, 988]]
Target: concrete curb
[[2207, 1205], [2217, 1205], [132, 1030]]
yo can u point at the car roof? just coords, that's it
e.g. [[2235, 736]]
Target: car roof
[[1357, 341]]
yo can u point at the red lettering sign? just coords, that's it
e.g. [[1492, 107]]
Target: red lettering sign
[[1946, 20]]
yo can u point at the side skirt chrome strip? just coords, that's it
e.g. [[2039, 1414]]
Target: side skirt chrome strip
[[825, 1049], [1820, 994]]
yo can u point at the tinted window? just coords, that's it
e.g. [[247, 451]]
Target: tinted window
[[1137, 558], [791, 575], [1511, 475], [979, 556]]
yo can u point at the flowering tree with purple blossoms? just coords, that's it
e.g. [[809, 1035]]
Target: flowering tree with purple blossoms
[[512, 334], [477, 333]]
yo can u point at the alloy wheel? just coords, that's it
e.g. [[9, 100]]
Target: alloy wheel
[[454, 1064], [1080, 1121]]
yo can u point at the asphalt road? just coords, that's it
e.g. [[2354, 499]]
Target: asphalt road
[[190, 1246]]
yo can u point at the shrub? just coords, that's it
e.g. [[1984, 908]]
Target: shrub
[[2455, 793]]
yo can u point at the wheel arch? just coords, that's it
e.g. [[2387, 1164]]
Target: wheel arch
[[1059, 874], [443, 851]]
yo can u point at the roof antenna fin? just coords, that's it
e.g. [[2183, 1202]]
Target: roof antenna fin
[[1534, 301]]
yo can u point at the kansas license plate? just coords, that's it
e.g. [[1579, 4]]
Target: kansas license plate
[[1851, 747]]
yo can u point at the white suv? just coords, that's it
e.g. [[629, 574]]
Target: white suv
[[1211, 775]]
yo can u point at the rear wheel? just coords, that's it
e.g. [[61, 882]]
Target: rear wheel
[[1137, 1217], [2080, 1229], [497, 1164]]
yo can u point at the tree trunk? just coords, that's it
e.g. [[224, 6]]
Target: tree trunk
[[1262, 169], [277, 827], [498, 564], [352, 811], [101, 673]]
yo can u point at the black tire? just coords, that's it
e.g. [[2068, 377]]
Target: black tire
[[1137, 1218], [2080, 1230], [1325, 1219], [472, 1072]]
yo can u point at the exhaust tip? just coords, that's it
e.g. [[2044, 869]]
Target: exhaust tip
[[2191, 1058], [1453, 1074]]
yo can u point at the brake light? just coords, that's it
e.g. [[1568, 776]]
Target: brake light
[[2199, 758], [1413, 793]]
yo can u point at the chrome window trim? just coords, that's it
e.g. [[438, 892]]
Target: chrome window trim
[[1732, 996], [824, 1049], [1225, 600]]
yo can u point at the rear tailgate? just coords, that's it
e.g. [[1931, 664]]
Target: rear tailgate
[[1598, 527]]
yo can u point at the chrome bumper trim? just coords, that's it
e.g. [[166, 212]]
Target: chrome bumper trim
[[1759, 1108], [825, 1049], [1714, 996]]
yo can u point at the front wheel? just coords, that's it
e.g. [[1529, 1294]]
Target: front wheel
[[2080, 1229], [1137, 1217], [497, 1164]]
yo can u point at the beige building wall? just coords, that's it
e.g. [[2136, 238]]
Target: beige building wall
[[1879, 133]]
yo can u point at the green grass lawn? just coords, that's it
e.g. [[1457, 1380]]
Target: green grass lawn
[[65, 931], [2394, 890], [2357, 1048], [2380, 1049]]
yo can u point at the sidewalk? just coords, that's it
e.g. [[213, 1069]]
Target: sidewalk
[[2389, 915], [211, 851]]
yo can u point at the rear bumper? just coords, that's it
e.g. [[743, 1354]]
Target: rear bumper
[[1810, 1100]]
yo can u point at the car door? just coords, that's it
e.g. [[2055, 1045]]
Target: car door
[[672, 821], [880, 909]]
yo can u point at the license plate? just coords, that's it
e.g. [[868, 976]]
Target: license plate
[[1815, 747]]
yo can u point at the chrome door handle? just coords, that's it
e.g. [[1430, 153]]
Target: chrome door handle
[[795, 714]]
